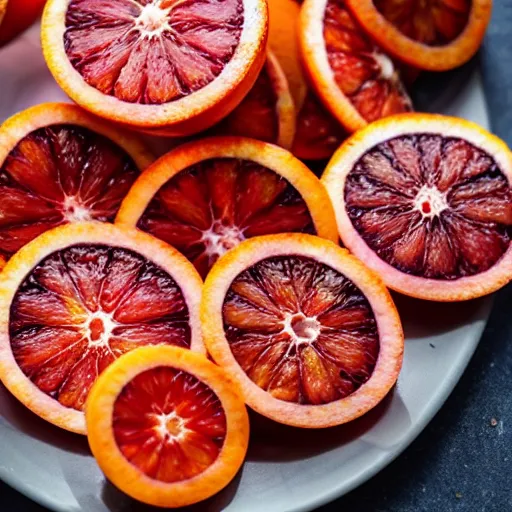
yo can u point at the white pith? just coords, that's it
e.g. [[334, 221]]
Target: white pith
[[434, 198], [153, 20], [108, 323], [387, 68], [220, 238], [75, 211], [311, 330], [162, 427]]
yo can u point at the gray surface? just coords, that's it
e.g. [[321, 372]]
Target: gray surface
[[460, 462]]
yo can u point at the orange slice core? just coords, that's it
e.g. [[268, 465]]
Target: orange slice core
[[431, 206], [364, 74], [212, 206], [169, 424], [432, 22], [151, 51], [86, 305], [60, 174], [301, 330]]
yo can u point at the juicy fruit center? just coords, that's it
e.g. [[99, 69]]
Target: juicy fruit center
[[209, 208], [433, 22], [169, 424], [365, 75], [301, 330], [59, 174], [152, 51], [84, 306], [431, 206]]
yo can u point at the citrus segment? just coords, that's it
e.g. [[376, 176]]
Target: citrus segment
[[311, 336], [433, 35], [357, 82], [430, 199], [79, 297], [207, 196], [163, 65], [16, 16], [58, 165], [267, 113], [166, 426]]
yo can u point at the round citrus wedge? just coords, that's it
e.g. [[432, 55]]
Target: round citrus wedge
[[267, 113], [58, 164], [166, 426], [16, 16], [162, 66], [79, 296], [309, 334], [426, 202], [207, 196], [435, 35], [356, 81]]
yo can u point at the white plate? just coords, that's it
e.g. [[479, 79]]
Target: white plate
[[286, 470]]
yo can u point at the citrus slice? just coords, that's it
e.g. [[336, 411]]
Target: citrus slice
[[58, 164], [356, 81], [16, 16], [309, 334], [318, 134], [207, 196], [426, 202], [79, 296], [163, 66], [267, 113], [167, 426], [435, 35]]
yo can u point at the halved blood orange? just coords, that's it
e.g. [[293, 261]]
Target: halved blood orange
[[435, 35], [58, 164], [164, 66], [309, 334], [79, 296], [356, 81], [207, 196], [267, 113], [167, 426], [318, 134], [16, 16], [426, 201]]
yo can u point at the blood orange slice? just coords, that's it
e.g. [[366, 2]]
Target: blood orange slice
[[58, 164], [267, 113], [16, 16], [436, 35], [310, 335], [356, 81], [207, 196], [79, 296], [426, 202], [164, 66], [167, 426]]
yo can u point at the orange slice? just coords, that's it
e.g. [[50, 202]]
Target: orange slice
[[356, 81], [79, 296], [166, 67], [267, 113], [207, 196], [309, 334], [16, 16], [435, 35], [426, 202], [58, 164], [166, 426]]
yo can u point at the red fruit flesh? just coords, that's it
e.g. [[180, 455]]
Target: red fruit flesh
[[431, 206], [362, 72], [256, 117], [84, 306], [151, 51], [211, 207], [432, 22], [301, 330], [169, 424], [318, 134], [60, 174]]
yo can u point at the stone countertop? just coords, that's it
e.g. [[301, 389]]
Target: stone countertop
[[462, 462]]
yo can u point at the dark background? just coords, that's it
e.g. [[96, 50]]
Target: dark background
[[463, 459]]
